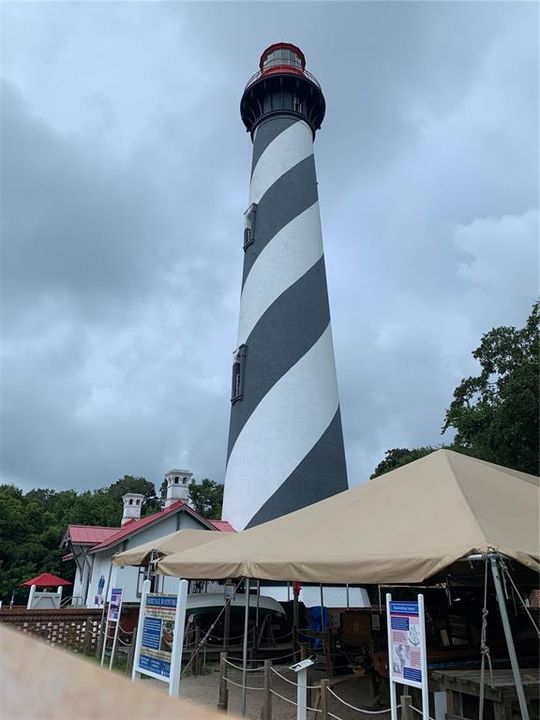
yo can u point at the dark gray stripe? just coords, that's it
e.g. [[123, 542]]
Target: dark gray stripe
[[284, 333], [290, 195], [321, 474], [266, 133]]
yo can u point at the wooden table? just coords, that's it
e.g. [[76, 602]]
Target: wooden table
[[460, 683]]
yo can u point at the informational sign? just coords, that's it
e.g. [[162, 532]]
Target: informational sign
[[160, 636], [407, 656], [406, 636], [115, 605]]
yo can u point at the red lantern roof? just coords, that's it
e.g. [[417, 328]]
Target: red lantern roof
[[46, 580]]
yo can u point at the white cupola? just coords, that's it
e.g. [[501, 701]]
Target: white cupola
[[133, 503], [177, 486]]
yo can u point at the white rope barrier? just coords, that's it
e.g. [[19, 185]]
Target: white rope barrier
[[416, 710], [241, 669], [353, 707], [282, 677], [292, 702], [291, 682], [239, 685]]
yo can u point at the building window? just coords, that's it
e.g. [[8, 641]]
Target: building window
[[249, 225], [176, 481], [131, 501], [238, 374]]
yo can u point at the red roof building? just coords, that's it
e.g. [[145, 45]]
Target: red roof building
[[92, 547]]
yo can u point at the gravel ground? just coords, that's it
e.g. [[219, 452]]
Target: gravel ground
[[204, 690]]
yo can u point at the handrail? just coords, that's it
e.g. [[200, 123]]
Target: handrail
[[286, 69]]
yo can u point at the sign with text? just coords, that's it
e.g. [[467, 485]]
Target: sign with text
[[407, 657], [115, 605], [160, 636]]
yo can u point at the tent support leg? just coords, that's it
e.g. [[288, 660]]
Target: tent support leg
[[245, 649], [509, 639]]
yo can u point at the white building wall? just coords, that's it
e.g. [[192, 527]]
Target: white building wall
[[127, 577]]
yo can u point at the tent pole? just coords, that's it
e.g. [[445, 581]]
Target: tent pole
[[323, 628], [509, 639], [226, 621], [295, 620], [245, 648], [256, 639]]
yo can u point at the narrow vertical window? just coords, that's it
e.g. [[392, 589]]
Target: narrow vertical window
[[249, 225], [238, 374]]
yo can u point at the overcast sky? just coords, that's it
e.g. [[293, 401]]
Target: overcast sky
[[125, 171]]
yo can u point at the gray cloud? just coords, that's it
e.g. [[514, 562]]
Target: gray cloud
[[124, 178]]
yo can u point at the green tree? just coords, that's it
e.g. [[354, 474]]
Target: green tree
[[130, 483], [32, 526], [495, 414], [400, 456], [206, 497]]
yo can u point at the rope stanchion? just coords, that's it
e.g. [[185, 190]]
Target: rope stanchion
[[362, 710]]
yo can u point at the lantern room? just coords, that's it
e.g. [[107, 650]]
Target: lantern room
[[282, 86]]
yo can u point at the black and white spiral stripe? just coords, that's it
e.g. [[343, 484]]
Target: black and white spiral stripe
[[285, 439]]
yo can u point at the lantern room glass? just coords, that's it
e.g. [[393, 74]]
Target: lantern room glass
[[282, 56]]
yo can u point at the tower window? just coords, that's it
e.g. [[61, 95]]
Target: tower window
[[238, 374], [249, 225], [176, 481]]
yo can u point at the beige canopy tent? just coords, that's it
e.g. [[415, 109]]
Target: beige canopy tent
[[402, 527], [175, 542]]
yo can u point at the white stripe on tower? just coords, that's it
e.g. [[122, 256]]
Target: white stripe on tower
[[287, 150], [292, 416], [292, 252]]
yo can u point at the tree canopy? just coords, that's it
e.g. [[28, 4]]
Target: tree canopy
[[32, 524], [495, 413], [206, 498]]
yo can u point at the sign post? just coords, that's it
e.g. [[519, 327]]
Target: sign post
[[113, 617], [160, 636], [407, 656]]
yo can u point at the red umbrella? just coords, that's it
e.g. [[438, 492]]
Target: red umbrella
[[46, 580]]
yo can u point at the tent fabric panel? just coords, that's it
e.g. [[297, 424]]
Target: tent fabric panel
[[404, 526]]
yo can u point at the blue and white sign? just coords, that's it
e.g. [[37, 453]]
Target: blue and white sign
[[407, 657], [160, 636]]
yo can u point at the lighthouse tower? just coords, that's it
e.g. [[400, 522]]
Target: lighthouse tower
[[285, 440]]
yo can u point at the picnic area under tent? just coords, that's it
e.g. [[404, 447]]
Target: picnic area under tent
[[444, 514], [402, 527], [175, 542]]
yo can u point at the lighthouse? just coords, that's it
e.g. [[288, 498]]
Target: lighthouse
[[285, 447]]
